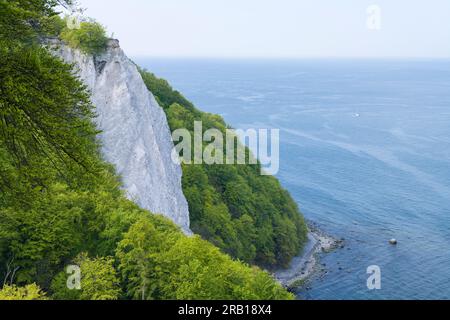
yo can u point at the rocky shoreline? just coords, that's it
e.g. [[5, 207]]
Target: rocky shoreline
[[305, 265]]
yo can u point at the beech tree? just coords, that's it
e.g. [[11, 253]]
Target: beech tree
[[58, 198], [29, 292]]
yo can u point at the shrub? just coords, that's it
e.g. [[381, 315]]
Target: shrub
[[90, 37], [30, 292]]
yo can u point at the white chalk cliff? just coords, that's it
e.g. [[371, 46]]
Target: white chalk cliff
[[135, 136]]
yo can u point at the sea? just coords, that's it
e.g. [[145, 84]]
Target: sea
[[364, 151]]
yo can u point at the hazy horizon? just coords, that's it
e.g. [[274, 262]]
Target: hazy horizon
[[285, 29], [280, 58]]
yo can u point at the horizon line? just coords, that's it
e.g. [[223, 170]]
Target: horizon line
[[289, 57]]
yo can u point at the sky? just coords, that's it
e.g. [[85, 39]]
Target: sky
[[277, 28]]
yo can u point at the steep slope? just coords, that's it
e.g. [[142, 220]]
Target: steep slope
[[249, 216], [135, 135], [60, 202]]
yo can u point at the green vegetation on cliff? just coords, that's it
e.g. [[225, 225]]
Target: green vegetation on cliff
[[61, 205], [90, 37], [249, 216]]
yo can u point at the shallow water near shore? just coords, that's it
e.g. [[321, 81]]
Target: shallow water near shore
[[365, 151]]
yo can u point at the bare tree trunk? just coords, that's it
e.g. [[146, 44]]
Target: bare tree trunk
[[10, 273]]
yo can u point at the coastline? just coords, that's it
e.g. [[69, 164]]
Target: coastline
[[305, 265]]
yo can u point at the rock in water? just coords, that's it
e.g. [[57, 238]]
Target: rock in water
[[135, 134], [393, 242]]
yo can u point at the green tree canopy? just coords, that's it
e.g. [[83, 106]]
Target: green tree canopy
[[60, 203], [98, 281], [29, 292], [24, 21], [248, 216], [90, 37]]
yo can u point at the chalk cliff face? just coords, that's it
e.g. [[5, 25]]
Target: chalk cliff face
[[135, 134]]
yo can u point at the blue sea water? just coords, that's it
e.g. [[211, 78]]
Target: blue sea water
[[365, 151]]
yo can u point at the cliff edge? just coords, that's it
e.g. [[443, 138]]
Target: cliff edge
[[135, 135]]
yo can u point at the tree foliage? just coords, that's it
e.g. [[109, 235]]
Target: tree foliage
[[44, 109], [25, 21], [29, 292], [60, 204], [90, 37], [170, 266], [247, 215], [99, 280]]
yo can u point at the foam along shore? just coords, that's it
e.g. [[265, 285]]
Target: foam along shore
[[304, 265]]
